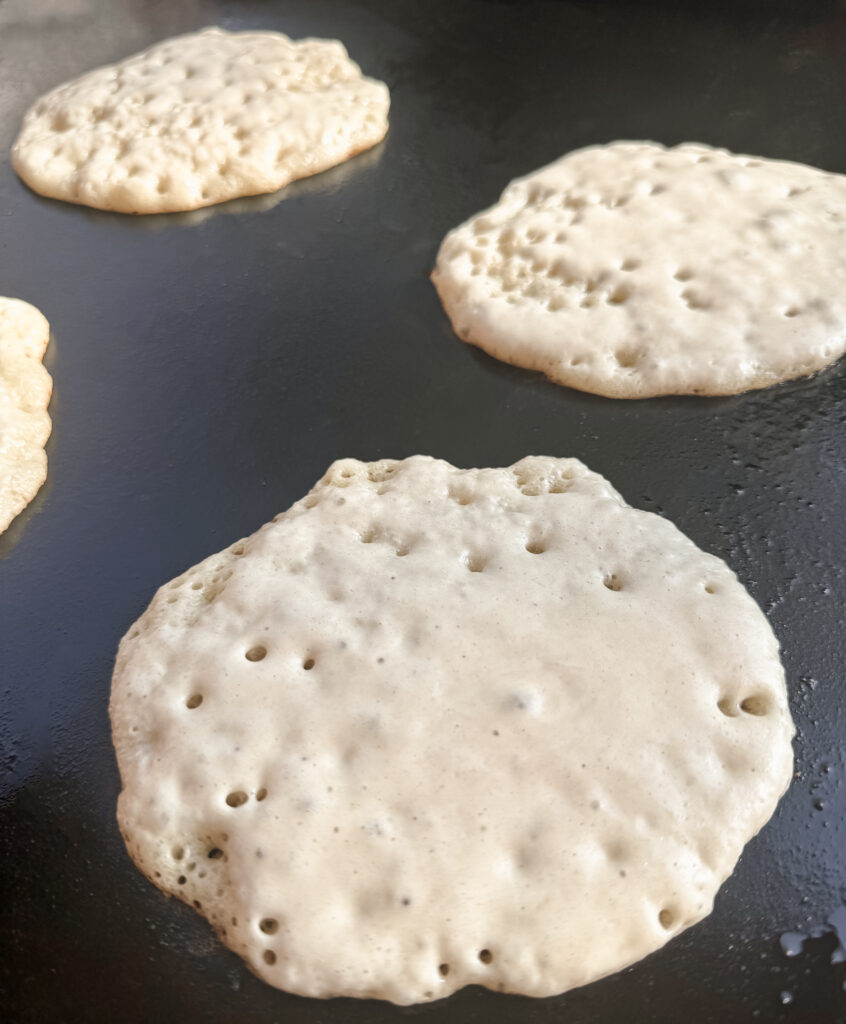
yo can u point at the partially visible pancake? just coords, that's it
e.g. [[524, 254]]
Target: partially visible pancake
[[25, 388]]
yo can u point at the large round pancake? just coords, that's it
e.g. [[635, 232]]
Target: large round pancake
[[199, 119], [433, 727], [631, 270]]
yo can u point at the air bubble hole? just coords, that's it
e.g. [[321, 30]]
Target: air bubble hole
[[627, 357], [757, 704], [694, 300], [461, 496]]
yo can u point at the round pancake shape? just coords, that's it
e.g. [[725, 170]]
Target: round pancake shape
[[631, 270], [199, 119], [434, 727]]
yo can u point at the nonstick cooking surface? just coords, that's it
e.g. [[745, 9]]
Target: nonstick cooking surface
[[209, 367]]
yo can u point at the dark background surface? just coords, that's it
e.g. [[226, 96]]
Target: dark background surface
[[207, 368]]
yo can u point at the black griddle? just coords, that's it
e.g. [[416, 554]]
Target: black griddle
[[208, 367]]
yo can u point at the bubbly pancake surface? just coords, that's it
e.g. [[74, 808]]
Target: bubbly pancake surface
[[631, 270], [199, 119], [25, 389], [433, 727]]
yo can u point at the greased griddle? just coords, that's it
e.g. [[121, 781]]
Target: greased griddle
[[208, 367]]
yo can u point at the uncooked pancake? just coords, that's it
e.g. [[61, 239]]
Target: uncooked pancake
[[199, 119], [25, 389], [631, 270], [433, 727]]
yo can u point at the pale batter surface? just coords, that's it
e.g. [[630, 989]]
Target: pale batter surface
[[25, 389], [433, 727], [631, 270], [199, 119]]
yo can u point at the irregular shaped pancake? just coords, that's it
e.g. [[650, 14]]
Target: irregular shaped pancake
[[434, 727], [25, 388], [200, 119], [631, 270]]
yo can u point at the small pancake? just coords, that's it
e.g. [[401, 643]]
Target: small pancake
[[200, 119]]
